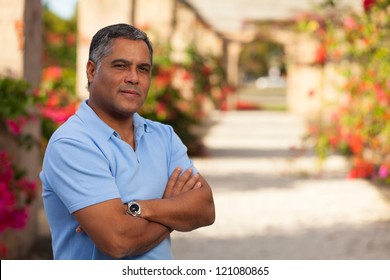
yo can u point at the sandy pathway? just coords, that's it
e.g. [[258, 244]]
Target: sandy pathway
[[272, 203]]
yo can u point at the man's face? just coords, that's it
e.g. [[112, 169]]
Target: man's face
[[120, 86]]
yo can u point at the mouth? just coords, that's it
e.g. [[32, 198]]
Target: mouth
[[131, 92]]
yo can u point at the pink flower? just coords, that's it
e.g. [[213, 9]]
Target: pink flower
[[15, 126], [58, 114], [54, 110], [15, 196], [20, 218], [7, 199], [350, 24], [383, 171]]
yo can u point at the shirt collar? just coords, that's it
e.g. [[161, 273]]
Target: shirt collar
[[89, 117], [140, 123]]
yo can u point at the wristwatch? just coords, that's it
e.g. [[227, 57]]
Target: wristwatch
[[133, 209]]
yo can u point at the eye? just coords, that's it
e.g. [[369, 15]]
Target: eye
[[120, 66], [144, 69]]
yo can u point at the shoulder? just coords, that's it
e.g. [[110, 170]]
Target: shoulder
[[73, 129], [84, 126]]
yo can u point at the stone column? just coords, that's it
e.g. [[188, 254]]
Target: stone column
[[233, 57]]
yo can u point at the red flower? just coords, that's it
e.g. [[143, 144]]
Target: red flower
[[361, 169], [320, 55], [206, 70], [6, 171], [355, 143], [52, 73], [3, 250], [368, 4], [161, 110], [163, 78], [71, 39]]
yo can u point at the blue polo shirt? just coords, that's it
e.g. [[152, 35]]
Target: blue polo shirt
[[86, 163]]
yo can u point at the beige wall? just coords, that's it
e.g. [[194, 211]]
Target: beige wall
[[11, 39], [156, 16], [93, 15], [309, 85]]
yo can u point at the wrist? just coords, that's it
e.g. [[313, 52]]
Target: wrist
[[133, 208]]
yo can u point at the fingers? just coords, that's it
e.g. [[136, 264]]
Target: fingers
[[170, 187], [181, 182], [192, 183]]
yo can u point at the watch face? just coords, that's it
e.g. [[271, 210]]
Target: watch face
[[134, 208]]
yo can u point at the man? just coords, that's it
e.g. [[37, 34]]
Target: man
[[115, 185]]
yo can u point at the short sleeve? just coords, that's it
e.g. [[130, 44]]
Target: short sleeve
[[178, 155], [78, 173]]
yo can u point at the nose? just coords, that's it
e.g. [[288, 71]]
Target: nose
[[132, 76]]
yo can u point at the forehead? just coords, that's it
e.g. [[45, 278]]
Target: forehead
[[124, 48]]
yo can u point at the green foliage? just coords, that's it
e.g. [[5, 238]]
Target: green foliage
[[14, 98], [60, 40], [359, 126], [16, 109]]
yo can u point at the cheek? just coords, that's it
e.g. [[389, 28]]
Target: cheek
[[146, 85], [108, 81]]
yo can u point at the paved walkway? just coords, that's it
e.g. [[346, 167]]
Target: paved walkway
[[272, 202]]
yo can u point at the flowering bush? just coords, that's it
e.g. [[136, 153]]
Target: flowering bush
[[15, 109], [16, 194], [57, 99], [179, 92], [359, 126], [19, 105]]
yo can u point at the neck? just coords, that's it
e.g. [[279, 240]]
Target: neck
[[123, 126]]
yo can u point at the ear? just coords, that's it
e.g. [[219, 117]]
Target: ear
[[91, 71]]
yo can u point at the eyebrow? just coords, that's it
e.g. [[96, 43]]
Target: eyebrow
[[127, 62]]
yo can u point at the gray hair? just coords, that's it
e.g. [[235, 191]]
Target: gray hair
[[102, 41]]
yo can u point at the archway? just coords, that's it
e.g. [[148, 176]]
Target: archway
[[262, 70]]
